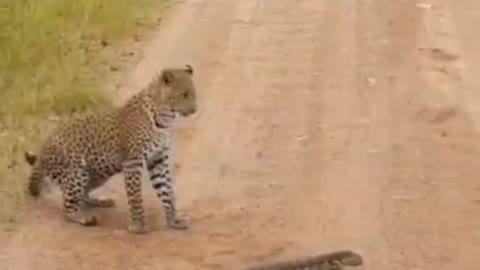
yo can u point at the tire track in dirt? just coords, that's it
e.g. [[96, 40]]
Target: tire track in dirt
[[429, 191]]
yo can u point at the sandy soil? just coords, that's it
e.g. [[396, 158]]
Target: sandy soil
[[324, 125]]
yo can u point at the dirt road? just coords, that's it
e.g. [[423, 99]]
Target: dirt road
[[324, 125]]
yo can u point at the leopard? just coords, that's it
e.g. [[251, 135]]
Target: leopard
[[81, 153]]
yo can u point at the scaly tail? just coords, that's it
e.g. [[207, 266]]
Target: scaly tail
[[326, 261], [36, 177]]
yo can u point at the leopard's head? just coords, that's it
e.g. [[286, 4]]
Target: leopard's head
[[177, 91]]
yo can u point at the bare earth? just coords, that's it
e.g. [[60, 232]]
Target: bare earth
[[324, 125]]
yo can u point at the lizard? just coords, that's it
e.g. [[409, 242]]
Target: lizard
[[327, 261]]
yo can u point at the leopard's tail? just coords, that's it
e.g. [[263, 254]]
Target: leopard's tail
[[36, 176]]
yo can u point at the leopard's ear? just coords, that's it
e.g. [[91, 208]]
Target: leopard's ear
[[189, 69], [167, 76], [30, 157]]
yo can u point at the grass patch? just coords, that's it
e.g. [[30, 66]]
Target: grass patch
[[53, 56]]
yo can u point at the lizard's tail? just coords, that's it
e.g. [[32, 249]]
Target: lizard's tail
[[334, 259]]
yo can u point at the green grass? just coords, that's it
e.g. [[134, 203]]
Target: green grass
[[54, 55]]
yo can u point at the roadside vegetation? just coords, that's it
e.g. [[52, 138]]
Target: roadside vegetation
[[54, 56]]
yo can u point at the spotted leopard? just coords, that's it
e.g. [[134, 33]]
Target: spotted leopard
[[83, 152]]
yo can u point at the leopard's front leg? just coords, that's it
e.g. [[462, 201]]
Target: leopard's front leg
[[160, 175], [132, 169]]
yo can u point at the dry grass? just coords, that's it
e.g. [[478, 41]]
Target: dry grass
[[53, 54]]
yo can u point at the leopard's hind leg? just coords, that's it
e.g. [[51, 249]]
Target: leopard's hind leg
[[74, 184], [91, 201], [98, 202]]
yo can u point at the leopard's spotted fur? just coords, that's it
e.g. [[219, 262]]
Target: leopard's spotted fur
[[83, 152]]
